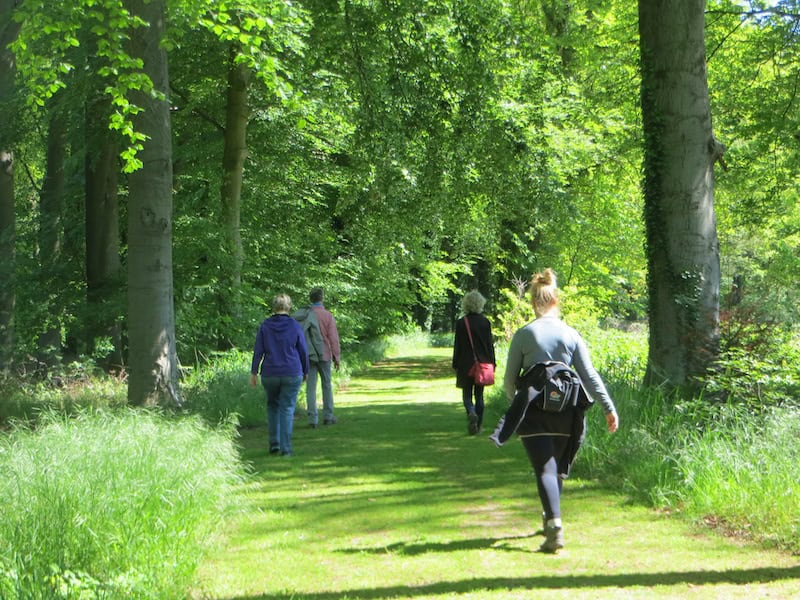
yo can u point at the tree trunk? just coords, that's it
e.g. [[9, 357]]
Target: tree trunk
[[9, 29], [102, 234], [680, 152], [153, 361], [234, 155], [50, 234]]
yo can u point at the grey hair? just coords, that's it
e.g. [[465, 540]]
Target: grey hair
[[281, 303], [473, 302]]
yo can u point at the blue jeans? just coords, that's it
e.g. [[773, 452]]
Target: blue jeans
[[466, 396], [281, 399], [322, 367]]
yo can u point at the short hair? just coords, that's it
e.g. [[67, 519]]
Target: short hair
[[544, 291], [473, 302], [316, 294], [281, 303]]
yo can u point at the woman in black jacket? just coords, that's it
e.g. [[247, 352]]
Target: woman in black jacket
[[464, 357]]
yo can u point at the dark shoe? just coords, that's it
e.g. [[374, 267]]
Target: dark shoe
[[312, 425], [286, 454], [274, 450], [554, 540], [472, 423], [331, 421]]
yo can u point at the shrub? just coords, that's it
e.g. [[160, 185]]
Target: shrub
[[219, 390], [75, 386], [757, 380]]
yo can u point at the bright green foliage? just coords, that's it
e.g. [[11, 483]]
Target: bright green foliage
[[50, 47], [110, 505], [513, 311], [753, 59], [402, 153], [758, 381]]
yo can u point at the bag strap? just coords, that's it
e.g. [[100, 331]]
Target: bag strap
[[469, 334]]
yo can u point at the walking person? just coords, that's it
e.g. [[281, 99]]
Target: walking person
[[465, 350], [551, 439], [322, 339], [281, 357]]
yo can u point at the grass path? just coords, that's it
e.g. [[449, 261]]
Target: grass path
[[396, 501]]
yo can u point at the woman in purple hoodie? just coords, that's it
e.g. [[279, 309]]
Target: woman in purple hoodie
[[281, 356]]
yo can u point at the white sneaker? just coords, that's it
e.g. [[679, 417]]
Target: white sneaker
[[495, 436]]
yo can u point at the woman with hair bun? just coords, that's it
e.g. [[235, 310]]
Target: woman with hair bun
[[463, 356], [551, 439]]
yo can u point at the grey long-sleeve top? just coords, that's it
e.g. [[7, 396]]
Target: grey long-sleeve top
[[549, 338]]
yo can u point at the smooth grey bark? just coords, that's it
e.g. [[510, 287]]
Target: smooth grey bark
[[233, 158], [102, 233], [680, 152], [51, 200], [153, 360], [9, 30]]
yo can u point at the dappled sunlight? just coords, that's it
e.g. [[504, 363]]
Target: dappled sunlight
[[395, 494]]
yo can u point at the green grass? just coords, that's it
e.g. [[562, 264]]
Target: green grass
[[397, 501], [110, 505]]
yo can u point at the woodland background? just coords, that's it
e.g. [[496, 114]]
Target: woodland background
[[397, 153], [167, 166]]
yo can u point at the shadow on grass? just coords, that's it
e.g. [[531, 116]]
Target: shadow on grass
[[409, 369], [551, 582], [421, 450], [497, 543]]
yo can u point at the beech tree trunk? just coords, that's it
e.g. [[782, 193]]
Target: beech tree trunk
[[234, 155], [153, 361], [102, 234], [9, 30], [680, 152], [50, 234]]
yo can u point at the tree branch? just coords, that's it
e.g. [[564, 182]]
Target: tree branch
[[200, 113]]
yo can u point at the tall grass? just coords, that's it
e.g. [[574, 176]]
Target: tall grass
[[219, 390], [110, 505], [721, 464], [745, 475]]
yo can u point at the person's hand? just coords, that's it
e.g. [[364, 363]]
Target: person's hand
[[336, 365], [612, 419], [305, 377], [253, 380]]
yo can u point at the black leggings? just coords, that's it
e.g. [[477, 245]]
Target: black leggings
[[545, 452], [466, 395]]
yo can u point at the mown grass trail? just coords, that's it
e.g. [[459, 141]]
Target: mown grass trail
[[397, 501]]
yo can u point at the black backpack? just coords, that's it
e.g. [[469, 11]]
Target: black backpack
[[556, 387], [551, 387]]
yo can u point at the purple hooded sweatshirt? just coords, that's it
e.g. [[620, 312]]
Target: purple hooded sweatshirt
[[280, 348]]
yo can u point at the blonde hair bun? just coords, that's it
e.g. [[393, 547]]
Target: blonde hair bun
[[545, 278], [544, 293]]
